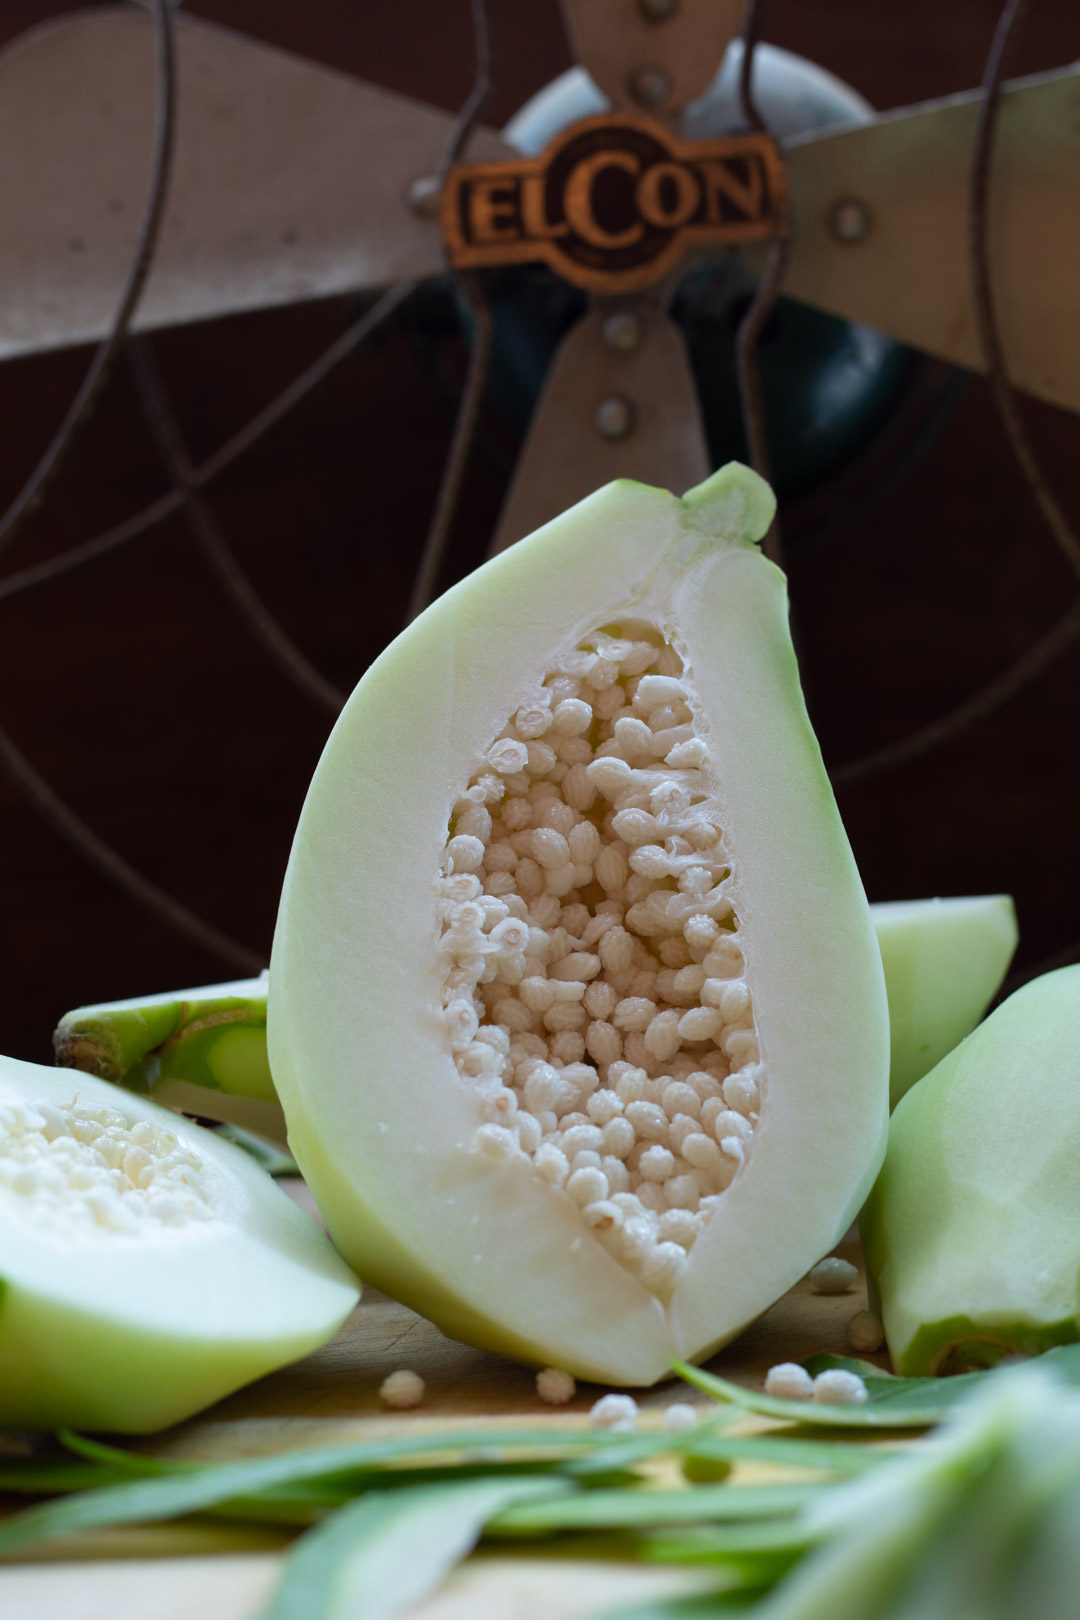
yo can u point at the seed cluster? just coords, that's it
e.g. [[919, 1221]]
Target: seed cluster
[[87, 1172], [591, 965]]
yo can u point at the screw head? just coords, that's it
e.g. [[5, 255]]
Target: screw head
[[650, 85], [622, 330], [850, 220], [615, 418], [658, 10], [423, 196]]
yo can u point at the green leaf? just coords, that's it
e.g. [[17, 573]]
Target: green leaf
[[114, 1457], [886, 1391], [382, 1553], [780, 1451], [892, 1403], [904, 1410], [208, 1486], [778, 1541], [625, 1451], [35, 1478], [644, 1508]]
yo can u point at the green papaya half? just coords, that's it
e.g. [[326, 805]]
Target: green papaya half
[[576, 1011], [146, 1267], [972, 1232]]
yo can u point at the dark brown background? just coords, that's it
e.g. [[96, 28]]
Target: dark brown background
[[142, 698]]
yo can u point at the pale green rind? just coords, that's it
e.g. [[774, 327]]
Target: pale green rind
[[973, 1227], [133, 1332], [378, 1117], [944, 962], [813, 967]]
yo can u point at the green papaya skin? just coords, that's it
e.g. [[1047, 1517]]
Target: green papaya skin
[[972, 1231], [147, 1268], [944, 960]]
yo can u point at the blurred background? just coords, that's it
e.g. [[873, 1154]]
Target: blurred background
[[919, 565]]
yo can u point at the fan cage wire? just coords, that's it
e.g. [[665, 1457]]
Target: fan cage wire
[[189, 481]]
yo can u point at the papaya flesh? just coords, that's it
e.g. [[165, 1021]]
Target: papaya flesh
[[972, 1232], [576, 1011], [146, 1267], [203, 1051]]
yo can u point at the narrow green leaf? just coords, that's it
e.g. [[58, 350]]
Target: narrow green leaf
[[626, 1451], [888, 1393], [114, 1457], [777, 1450], [782, 1540], [909, 1409], [206, 1486], [35, 1478], [382, 1554], [644, 1508]]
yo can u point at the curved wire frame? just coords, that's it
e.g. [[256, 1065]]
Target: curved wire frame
[[189, 481]]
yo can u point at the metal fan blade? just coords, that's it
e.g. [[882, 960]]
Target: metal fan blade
[[290, 181], [881, 220], [652, 55], [618, 402]]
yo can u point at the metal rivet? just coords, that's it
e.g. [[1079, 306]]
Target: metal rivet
[[615, 418], [622, 331], [850, 220], [649, 85], [658, 10], [423, 196]]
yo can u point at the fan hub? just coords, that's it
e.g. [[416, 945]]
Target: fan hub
[[613, 203]]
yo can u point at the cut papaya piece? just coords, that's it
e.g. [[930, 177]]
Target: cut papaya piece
[[972, 1232], [200, 1051], [146, 1267], [944, 962], [576, 1010]]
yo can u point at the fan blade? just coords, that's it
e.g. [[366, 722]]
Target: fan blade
[[290, 181], [899, 188], [652, 55], [619, 401]]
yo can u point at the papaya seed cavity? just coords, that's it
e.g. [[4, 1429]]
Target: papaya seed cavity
[[590, 957], [85, 1174]]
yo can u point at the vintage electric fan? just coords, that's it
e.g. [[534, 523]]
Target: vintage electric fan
[[161, 170]]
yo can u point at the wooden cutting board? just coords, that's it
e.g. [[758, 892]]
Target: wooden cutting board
[[332, 1396]]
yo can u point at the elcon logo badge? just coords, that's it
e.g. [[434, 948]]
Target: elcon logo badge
[[613, 203]]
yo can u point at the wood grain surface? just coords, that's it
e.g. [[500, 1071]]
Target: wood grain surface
[[333, 1396]]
